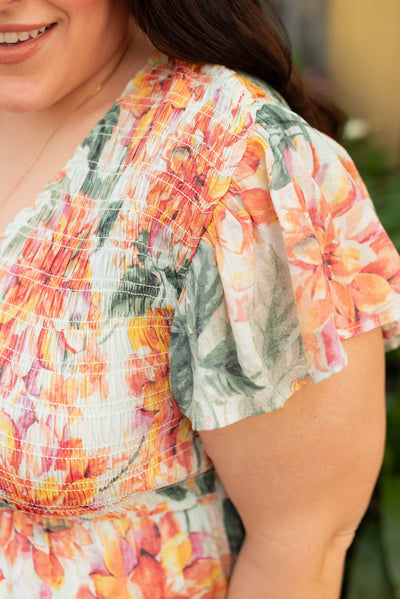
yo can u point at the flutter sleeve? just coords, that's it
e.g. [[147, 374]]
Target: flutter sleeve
[[294, 262]]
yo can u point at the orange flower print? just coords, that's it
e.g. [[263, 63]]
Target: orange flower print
[[94, 369]]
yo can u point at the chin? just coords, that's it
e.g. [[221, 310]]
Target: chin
[[17, 107], [22, 101]]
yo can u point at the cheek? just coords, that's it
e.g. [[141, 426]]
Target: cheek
[[94, 8], [107, 19]]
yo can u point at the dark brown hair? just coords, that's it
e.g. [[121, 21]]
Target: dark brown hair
[[244, 35]]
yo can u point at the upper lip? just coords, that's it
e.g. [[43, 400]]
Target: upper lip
[[18, 27]]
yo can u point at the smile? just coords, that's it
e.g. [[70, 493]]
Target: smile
[[14, 38]]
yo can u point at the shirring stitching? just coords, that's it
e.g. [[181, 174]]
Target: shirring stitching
[[77, 365], [168, 424], [124, 476], [97, 510], [152, 403], [90, 323]]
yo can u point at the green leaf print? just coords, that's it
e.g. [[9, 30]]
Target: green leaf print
[[136, 291], [282, 127], [206, 482], [107, 222], [204, 289], [174, 492], [276, 324], [141, 243], [181, 366], [202, 339], [280, 118], [203, 295], [55, 525], [175, 280], [224, 373], [100, 134], [96, 142], [203, 342]]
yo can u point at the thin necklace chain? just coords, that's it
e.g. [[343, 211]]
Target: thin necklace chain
[[57, 129]]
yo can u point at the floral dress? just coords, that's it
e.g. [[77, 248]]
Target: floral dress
[[200, 258]]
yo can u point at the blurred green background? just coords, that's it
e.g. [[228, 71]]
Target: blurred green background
[[350, 49]]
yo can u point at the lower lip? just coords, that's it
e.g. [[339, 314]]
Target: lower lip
[[24, 50]]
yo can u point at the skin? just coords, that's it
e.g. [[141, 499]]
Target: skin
[[38, 95], [301, 477], [89, 34]]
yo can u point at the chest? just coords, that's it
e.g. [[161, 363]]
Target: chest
[[30, 158], [87, 417], [89, 281]]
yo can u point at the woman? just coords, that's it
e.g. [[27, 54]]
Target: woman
[[201, 259]]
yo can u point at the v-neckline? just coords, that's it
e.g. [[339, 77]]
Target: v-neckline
[[27, 212]]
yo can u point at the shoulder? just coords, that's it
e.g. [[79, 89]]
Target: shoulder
[[199, 133], [204, 116], [184, 93], [185, 128], [216, 112]]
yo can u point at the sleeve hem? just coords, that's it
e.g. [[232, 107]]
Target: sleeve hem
[[232, 416]]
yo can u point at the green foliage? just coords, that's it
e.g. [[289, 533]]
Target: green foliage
[[373, 568], [367, 577], [390, 529]]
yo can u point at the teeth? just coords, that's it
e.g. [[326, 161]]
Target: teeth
[[13, 37], [23, 36]]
